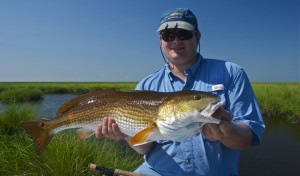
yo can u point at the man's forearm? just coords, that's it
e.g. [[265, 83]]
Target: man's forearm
[[236, 135]]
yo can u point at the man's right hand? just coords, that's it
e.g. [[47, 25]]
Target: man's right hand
[[109, 129]]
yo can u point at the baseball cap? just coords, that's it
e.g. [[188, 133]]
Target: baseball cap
[[181, 18]]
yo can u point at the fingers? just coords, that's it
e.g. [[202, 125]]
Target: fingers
[[222, 114], [117, 132], [212, 132], [215, 132], [109, 129]]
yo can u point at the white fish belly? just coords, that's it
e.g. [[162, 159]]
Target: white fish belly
[[91, 126]]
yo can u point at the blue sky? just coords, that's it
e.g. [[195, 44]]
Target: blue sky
[[116, 40]]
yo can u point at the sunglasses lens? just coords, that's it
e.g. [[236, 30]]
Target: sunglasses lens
[[184, 35], [169, 35]]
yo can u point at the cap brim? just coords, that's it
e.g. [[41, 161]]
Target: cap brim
[[176, 24]]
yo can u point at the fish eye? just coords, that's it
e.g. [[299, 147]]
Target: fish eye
[[197, 97]]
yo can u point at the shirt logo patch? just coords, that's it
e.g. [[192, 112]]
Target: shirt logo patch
[[218, 87]]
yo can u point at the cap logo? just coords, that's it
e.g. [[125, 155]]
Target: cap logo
[[175, 14]]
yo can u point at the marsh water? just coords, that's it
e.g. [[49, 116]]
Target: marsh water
[[279, 153]]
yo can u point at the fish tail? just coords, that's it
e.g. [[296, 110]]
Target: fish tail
[[41, 136]]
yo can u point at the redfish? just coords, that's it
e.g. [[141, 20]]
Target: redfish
[[145, 115]]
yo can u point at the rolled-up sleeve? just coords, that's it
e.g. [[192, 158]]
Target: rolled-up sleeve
[[243, 104]]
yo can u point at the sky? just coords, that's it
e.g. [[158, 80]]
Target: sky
[[116, 40]]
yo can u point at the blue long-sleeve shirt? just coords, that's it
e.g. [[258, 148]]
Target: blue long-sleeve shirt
[[198, 156]]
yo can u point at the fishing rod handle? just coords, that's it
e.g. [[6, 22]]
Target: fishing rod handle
[[94, 167], [121, 172]]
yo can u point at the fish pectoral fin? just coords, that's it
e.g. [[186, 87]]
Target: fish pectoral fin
[[148, 141], [143, 136], [84, 133]]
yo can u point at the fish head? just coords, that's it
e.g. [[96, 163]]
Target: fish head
[[181, 115], [184, 107]]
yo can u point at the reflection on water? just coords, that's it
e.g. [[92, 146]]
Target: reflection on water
[[279, 153]]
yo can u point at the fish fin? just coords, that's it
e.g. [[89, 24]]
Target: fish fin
[[148, 141], [40, 135], [75, 101], [69, 104], [143, 136], [84, 133]]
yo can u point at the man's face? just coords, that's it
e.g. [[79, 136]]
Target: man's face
[[180, 46]]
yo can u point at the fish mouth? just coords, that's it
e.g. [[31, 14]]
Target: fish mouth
[[211, 108]]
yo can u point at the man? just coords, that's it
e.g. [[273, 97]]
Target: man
[[216, 150]]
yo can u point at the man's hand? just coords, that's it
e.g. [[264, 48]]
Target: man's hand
[[234, 135], [109, 129], [213, 131]]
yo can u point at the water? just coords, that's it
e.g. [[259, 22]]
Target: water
[[47, 107], [279, 153]]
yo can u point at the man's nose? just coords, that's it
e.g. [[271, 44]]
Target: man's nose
[[176, 39]]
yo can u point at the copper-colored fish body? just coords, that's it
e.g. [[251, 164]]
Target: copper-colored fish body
[[145, 115]]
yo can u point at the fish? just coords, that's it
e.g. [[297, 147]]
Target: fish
[[145, 116]]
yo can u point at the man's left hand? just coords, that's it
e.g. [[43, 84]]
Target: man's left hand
[[213, 131]]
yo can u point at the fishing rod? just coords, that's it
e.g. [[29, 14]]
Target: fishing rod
[[110, 171]]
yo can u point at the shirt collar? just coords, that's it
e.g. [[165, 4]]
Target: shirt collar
[[192, 70]]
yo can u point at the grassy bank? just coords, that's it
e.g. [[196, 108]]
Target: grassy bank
[[64, 155], [20, 95], [68, 87], [280, 100]]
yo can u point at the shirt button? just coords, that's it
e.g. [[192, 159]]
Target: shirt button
[[187, 161]]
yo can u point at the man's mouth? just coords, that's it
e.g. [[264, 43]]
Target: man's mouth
[[178, 49]]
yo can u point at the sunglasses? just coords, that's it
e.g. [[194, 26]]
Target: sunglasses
[[169, 35]]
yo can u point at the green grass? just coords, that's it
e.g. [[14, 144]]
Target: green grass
[[12, 116], [69, 87], [64, 155], [279, 100], [20, 95]]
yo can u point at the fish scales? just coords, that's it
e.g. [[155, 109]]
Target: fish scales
[[144, 115], [138, 114]]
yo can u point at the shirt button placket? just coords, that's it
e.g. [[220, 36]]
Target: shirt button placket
[[188, 166], [187, 161]]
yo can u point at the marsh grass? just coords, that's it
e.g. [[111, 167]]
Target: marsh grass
[[69, 87], [280, 100], [20, 95], [12, 116], [65, 155]]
